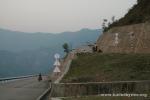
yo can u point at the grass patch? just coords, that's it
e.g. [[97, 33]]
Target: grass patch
[[109, 67]]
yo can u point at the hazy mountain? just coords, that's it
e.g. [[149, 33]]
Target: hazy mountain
[[18, 41], [28, 53]]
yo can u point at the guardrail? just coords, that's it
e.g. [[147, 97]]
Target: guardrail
[[46, 94], [14, 78]]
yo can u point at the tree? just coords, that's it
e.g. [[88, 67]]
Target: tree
[[66, 48], [104, 24], [113, 19]]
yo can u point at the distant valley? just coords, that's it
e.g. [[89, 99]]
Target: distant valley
[[31, 53]]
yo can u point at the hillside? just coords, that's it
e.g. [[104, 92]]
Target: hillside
[[132, 32], [139, 13], [32, 53], [131, 39], [109, 67]]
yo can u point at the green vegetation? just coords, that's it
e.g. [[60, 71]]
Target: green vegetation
[[65, 47], [105, 98], [109, 67], [139, 13]]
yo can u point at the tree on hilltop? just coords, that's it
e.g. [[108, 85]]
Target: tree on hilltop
[[66, 47]]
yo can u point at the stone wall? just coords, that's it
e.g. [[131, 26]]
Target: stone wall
[[131, 39], [84, 89]]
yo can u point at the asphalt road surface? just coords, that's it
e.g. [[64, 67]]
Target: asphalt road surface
[[23, 89]]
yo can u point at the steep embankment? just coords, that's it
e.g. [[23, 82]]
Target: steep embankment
[[131, 39], [133, 32], [108, 67], [139, 13]]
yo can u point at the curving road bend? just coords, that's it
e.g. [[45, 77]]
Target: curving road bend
[[23, 89]]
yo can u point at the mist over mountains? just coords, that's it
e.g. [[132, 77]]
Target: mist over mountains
[[31, 53]]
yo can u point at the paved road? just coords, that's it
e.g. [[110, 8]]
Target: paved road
[[24, 89]]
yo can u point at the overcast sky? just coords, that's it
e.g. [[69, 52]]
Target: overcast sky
[[59, 15]]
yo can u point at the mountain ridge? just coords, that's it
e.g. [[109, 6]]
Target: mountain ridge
[[9, 39], [23, 53]]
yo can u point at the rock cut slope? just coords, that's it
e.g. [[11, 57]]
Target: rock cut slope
[[131, 39], [133, 32]]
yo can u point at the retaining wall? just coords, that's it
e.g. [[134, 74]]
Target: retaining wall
[[84, 89]]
